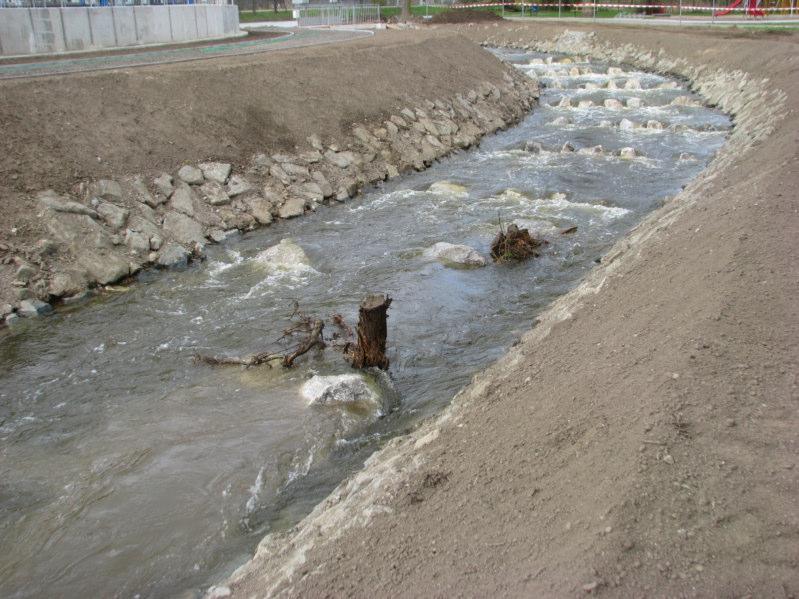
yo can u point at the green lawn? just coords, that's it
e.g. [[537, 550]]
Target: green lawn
[[247, 16]]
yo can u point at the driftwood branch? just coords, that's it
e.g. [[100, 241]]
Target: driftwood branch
[[514, 244], [364, 349]]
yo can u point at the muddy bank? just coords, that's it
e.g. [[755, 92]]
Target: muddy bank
[[640, 440], [174, 157]]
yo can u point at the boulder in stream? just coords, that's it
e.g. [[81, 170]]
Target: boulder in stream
[[348, 390], [285, 256], [451, 254]]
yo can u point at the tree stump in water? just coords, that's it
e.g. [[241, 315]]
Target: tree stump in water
[[371, 332], [514, 244]]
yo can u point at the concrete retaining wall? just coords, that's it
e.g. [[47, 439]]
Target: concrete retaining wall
[[54, 30]]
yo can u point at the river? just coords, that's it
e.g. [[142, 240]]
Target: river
[[127, 470]]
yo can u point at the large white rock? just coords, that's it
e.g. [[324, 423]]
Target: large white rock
[[455, 255], [285, 256], [341, 390], [613, 104]]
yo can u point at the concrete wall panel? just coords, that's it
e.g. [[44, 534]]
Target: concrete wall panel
[[48, 29], [152, 24], [16, 32], [125, 24], [184, 26], [77, 29], [103, 33], [54, 30]]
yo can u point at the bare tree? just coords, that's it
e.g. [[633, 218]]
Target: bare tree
[[406, 10]]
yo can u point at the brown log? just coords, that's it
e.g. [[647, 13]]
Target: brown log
[[372, 332]]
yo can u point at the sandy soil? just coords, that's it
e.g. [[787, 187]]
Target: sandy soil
[[642, 441]]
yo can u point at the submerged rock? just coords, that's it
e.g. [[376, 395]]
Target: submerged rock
[[286, 255], [451, 254], [613, 104], [34, 307], [341, 390], [627, 153], [634, 103], [448, 188]]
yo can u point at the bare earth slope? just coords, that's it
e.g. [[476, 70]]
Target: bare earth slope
[[642, 440]]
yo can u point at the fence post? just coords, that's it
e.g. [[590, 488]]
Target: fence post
[[594, 10], [713, 14], [560, 6], [680, 11]]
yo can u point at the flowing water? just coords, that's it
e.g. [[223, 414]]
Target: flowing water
[[127, 470]]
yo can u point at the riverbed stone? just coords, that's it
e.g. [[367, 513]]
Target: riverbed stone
[[137, 242], [213, 193], [103, 267], [190, 174], [277, 172], [316, 142], [291, 208], [106, 189], [183, 229], [408, 114], [284, 256], [296, 171], [172, 255], [451, 254], [218, 172], [114, 216], [163, 184], [324, 185], [237, 186], [634, 102], [340, 390], [311, 192], [32, 308], [58, 203], [66, 283], [627, 153], [182, 199], [340, 159], [260, 208], [613, 104]]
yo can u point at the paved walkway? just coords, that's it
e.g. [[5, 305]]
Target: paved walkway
[[295, 38]]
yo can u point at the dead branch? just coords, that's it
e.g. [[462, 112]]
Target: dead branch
[[314, 339]]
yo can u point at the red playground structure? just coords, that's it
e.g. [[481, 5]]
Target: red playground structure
[[752, 8]]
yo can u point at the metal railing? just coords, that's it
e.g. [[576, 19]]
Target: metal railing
[[337, 14], [92, 3], [716, 10]]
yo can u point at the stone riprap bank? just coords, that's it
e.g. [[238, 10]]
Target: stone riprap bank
[[110, 229]]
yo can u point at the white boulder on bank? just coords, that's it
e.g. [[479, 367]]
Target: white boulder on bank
[[451, 254]]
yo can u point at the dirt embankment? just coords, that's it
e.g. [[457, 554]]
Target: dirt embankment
[[148, 165], [641, 440]]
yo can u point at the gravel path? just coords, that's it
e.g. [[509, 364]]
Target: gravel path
[[295, 38]]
